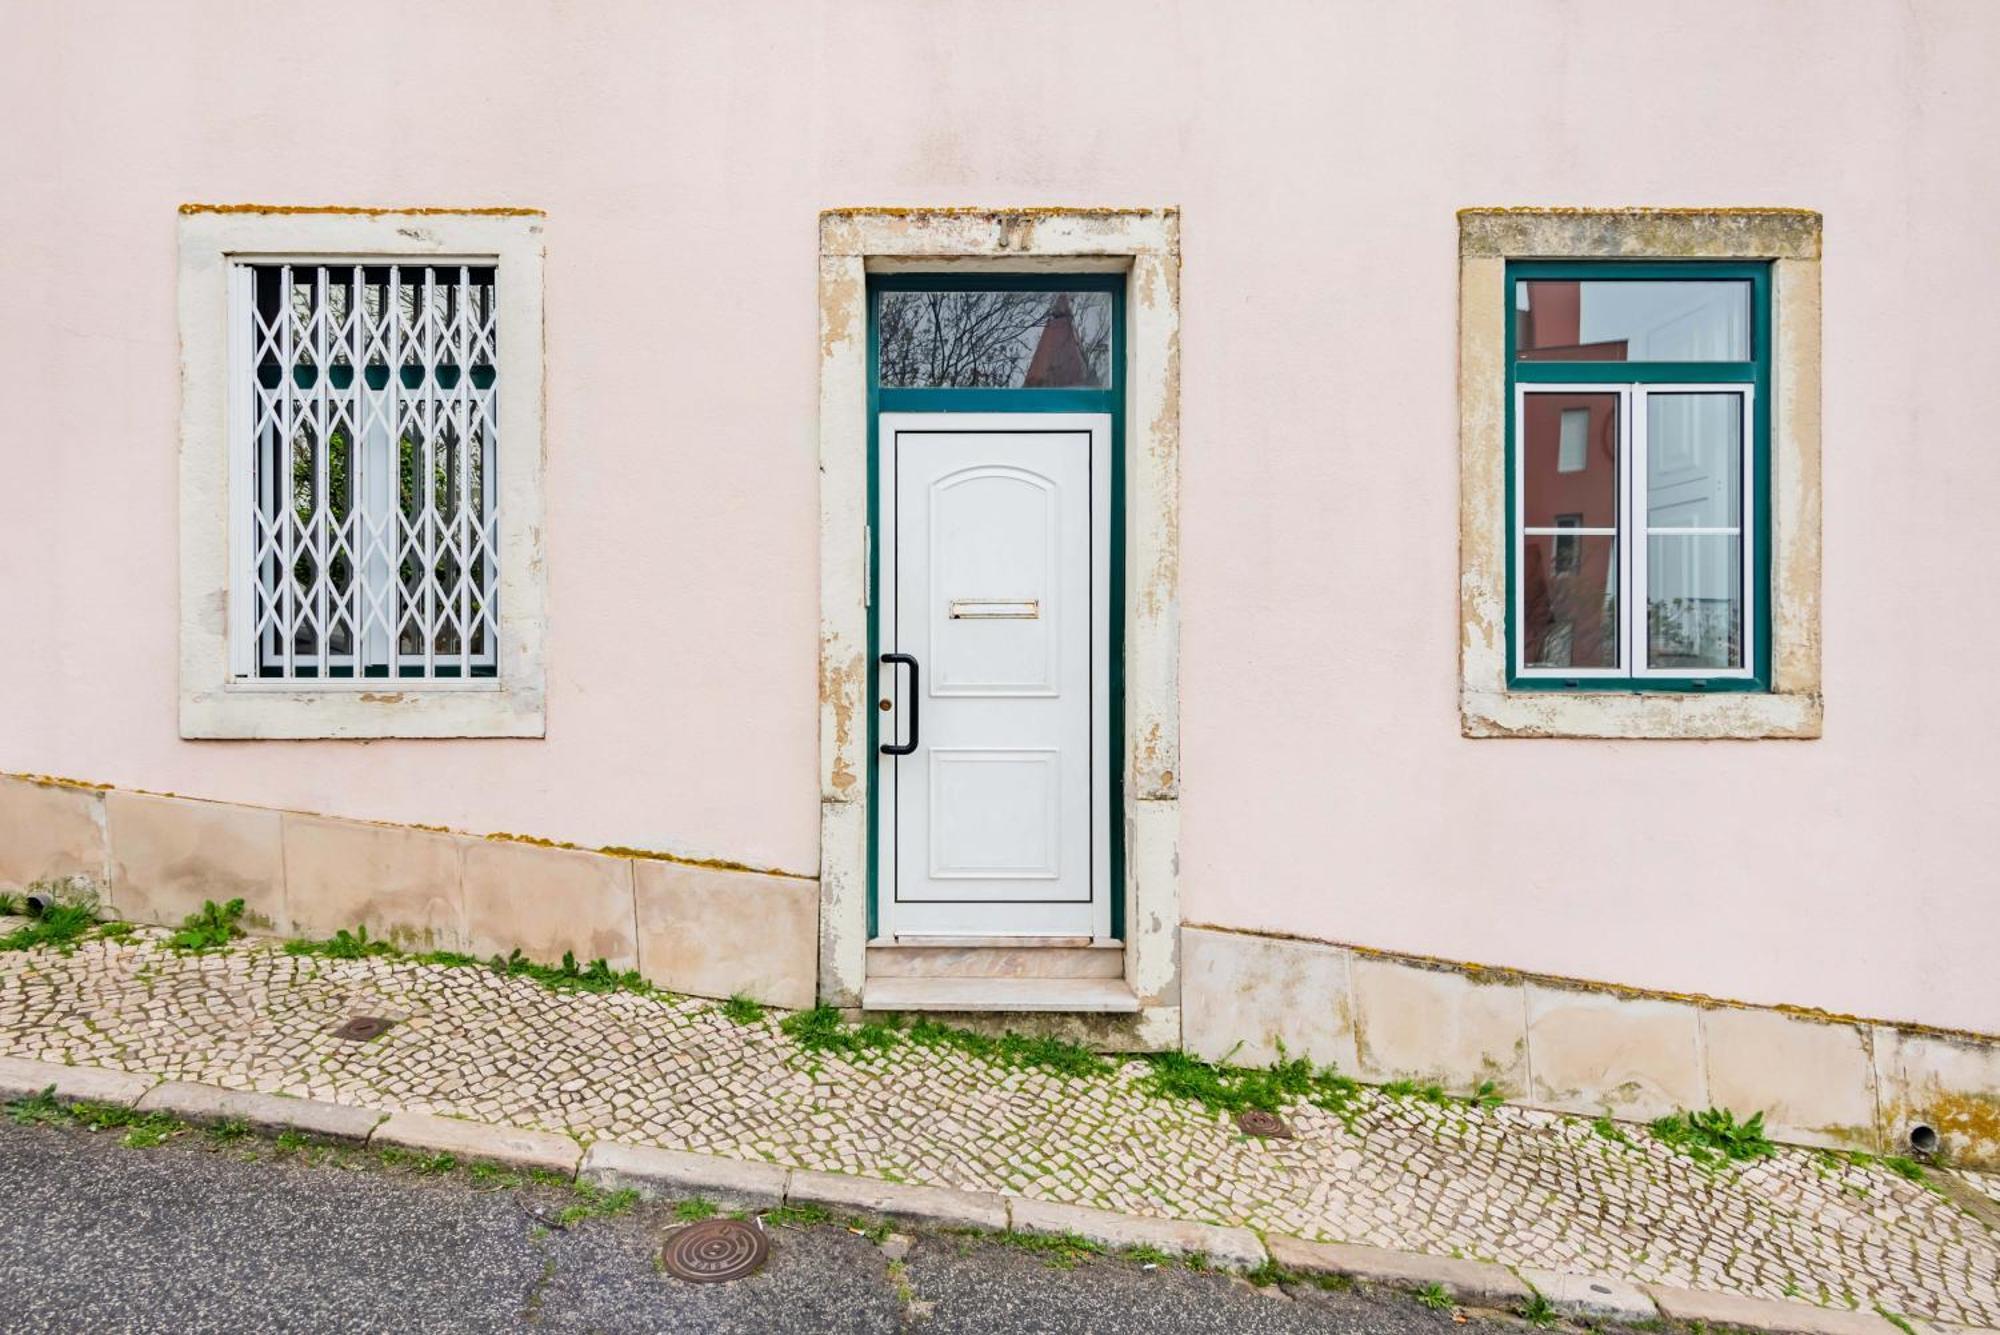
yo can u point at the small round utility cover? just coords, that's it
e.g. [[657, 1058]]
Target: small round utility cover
[[1257, 1122], [361, 1028], [715, 1251]]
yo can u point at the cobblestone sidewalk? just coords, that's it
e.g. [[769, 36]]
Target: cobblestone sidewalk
[[1505, 1184]]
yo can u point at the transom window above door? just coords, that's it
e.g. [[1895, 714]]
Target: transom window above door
[[994, 337], [1638, 476]]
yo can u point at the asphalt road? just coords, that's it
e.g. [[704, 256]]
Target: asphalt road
[[192, 1237]]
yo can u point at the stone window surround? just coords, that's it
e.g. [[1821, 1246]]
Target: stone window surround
[[1145, 245], [1790, 239], [213, 704]]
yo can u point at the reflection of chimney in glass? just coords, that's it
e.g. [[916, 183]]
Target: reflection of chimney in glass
[[1058, 362]]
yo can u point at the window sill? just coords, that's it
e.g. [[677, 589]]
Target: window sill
[[1640, 715], [482, 709]]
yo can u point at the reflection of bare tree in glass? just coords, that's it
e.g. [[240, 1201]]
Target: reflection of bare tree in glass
[[991, 340]]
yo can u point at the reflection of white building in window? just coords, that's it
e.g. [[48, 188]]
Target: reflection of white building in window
[[1668, 322]]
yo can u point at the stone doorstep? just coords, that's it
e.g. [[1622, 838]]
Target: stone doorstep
[[510, 1147], [1478, 1283], [733, 1184], [21, 1079], [1233, 1248], [208, 1104], [1730, 1309], [1593, 1296]]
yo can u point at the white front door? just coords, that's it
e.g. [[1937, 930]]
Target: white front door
[[992, 593]]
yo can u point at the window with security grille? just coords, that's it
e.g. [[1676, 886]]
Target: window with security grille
[[369, 525]]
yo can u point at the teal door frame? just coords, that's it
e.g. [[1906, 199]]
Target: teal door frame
[[1110, 401]]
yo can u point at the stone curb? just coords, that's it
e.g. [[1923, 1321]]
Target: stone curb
[[1729, 1309], [1233, 1248], [1597, 1297], [208, 1104], [946, 1206], [744, 1184], [508, 1146], [1480, 1283], [734, 1184], [20, 1079]]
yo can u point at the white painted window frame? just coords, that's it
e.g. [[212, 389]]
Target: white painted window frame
[[1634, 529], [1789, 239], [216, 700]]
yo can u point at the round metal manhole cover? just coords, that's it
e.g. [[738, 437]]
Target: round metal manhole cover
[[1257, 1122], [715, 1251], [361, 1028]]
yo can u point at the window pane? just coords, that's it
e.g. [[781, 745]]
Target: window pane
[[1694, 460], [994, 340], [1694, 601], [1569, 460], [1570, 601], [1624, 320]]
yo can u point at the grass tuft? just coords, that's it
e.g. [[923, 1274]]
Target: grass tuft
[[1538, 1311], [696, 1208], [1059, 1251], [1714, 1137], [60, 925], [209, 928], [740, 1009], [1434, 1297]]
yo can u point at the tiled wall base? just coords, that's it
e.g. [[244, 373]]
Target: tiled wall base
[[1583, 1048], [697, 930]]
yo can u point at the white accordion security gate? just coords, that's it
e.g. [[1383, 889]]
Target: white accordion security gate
[[364, 523]]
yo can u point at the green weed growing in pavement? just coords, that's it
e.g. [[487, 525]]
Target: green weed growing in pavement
[[740, 1009], [797, 1216], [210, 927], [1272, 1273], [344, 945], [59, 925], [1895, 1320], [117, 931], [1538, 1311], [37, 1109], [227, 1130], [1714, 1137], [1059, 1251], [1221, 1087], [1907, 1169], [11, 905], [1014, 1050], [597, 976], [568, 976], [594, 1202], [822, 1030], [1607, 1129], [696, 1208], [1149, 1255], [1434, 1297], [449, 959]]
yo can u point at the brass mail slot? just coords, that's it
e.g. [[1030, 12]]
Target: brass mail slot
[[995, 609]]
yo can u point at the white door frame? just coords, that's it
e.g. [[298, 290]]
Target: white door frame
[[977, 921], [1144, 245]]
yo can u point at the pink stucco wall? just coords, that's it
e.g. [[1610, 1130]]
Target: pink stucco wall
[[1319, 151]]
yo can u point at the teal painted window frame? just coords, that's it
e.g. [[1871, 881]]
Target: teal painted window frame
[[1109, 400], [1755, 373]]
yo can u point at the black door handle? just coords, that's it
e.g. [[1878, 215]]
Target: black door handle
[[890, 748]]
